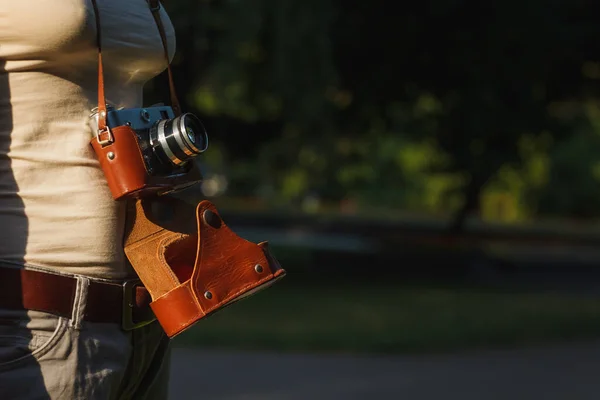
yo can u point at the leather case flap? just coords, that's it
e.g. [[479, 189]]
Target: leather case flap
[[202, 272]]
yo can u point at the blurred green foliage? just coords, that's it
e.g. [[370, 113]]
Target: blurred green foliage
[[465, 107]]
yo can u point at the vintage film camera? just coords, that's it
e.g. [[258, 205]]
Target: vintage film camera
[[148, 151]]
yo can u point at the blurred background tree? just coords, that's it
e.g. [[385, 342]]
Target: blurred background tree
[[456, 108], [421, 121]]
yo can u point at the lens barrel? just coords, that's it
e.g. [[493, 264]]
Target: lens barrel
[[179, 139]]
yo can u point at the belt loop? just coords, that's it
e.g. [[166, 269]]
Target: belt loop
[[80, 301]]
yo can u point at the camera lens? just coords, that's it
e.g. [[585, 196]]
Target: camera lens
[[180, 139], [195, 133]]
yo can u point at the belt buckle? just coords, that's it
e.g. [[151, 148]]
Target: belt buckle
[[128, 304]]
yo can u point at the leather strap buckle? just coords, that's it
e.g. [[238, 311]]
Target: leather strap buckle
[[107, 141], [128, 322]]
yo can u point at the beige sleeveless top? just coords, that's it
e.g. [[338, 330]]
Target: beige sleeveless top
[[56, 211]]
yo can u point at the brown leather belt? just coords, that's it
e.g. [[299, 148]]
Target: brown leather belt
[[127, 303]]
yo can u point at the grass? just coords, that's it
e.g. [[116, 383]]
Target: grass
[[376, 317]]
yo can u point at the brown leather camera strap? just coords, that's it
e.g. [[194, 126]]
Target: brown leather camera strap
[[155, 9], [101, 95]]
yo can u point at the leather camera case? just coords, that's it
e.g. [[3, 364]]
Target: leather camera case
[[125, 170], [199, 265]]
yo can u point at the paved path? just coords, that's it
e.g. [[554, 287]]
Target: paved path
[[569, 372]]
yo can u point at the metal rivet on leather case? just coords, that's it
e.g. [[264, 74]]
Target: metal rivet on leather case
[[208, 295], [212, 219], [258, 268]]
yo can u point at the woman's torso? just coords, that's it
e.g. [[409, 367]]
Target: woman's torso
[[56, 210]]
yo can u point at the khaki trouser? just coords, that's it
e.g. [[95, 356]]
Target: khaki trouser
[[43, 356]]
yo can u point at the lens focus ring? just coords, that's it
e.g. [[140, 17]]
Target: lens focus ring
[[181, 138]]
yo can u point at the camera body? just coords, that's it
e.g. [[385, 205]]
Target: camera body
[[148, 151]]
